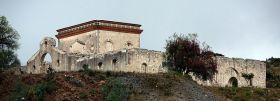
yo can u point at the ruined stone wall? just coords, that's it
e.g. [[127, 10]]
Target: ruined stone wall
[[36, 63], [229, 68], [88, 39], [99, 41], [125, 60], [118, 40]]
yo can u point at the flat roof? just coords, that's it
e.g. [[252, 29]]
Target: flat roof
[[98, 25]]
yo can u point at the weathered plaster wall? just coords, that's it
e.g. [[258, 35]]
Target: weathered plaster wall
[[234, 67], [36, 63], [97, 42], [118, 40], [89, 39], [126, 60]]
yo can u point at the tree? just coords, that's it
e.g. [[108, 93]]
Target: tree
[[248, 77], [8, 44], [184, 54]]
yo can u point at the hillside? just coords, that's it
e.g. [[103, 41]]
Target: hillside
[[90, 85], [99, 86]]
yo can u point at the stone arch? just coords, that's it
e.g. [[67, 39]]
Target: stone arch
[[46, 62], [109, 45], [144, 67], [233, 82], [233, 72]]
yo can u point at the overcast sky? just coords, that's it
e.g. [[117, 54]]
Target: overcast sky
[[235, 28]]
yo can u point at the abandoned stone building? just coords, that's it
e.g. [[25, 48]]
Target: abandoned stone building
[[115, 46], [231, 71], [102, 45]]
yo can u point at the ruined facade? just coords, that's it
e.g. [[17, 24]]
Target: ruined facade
[[115, 46], [99, 44], [231, 73]]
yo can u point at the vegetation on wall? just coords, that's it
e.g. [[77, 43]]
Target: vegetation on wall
[[185, 54], [248, 77]]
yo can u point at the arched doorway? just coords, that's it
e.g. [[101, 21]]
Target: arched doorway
[[144, 67], [233, 82], [46, 62]]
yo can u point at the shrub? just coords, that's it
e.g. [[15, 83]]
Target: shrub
[[109, 73], [248, 76], [100, 76], [185, 54], [74, 81], [93, 91], [113, 90], [20, 92], [42, 88], [260, 92], [87, 71], [36, 92], [83, 95]]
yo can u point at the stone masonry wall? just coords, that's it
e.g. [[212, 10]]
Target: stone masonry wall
[[233, 68], [126, 60], [99, 41]]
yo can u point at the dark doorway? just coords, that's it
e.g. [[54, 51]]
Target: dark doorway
[[233, 82]]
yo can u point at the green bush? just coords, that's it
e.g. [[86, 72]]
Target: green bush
[[248, 95], [83, 95], [260, 92], [74, 81], [20, 92], [93, 91], [43, 88], [248, 76], [23, 92], [114, 90]]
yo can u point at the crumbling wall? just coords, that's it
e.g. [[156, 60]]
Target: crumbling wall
[[234, 68], [99, 41], [119, 40], [129, 59], [89, 39], [36, 63], [125, 60]]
